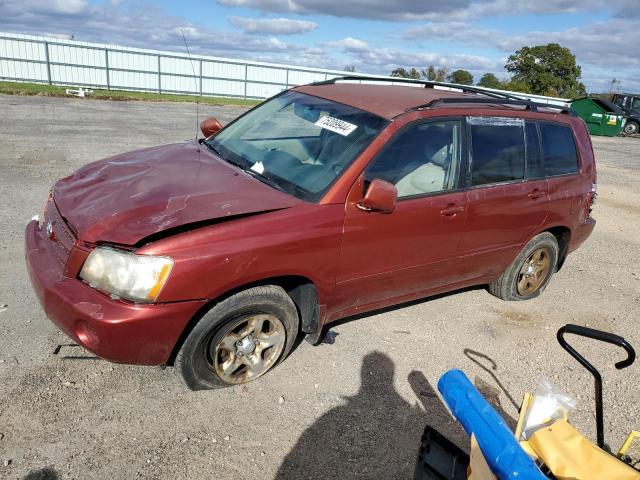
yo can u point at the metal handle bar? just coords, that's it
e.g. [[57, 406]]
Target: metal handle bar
[[603, 337]]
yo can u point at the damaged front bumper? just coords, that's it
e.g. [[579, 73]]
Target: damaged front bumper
[[113, 329]]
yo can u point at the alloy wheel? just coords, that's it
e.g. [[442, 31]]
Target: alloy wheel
[[534, 271], [249, 348]]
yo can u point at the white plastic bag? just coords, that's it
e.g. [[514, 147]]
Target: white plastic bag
[[549, 404]]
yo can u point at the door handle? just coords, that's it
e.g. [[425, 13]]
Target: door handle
[[451, 210], [537, 193]]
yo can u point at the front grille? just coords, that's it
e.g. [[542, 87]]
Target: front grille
[[58, 232]]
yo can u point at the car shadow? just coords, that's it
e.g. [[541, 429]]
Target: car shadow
[[375, 433], [399, 306]]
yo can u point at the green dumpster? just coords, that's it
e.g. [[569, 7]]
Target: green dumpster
[[601, 116]]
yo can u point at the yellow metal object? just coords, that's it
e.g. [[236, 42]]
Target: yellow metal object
[[478, 468], [631, 448], [571, 456]]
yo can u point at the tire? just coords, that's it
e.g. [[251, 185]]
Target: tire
[[228, 335], [631, 128], [513, 284]]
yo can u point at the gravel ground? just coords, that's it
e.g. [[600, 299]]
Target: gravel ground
[[352, 409]]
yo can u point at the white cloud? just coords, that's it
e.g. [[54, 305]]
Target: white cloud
[[370, 9], [383, 60], [434, 10], [143, 26], [350, 44], [272, 26]]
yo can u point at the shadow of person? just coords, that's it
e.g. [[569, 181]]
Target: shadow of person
[[375, 434]]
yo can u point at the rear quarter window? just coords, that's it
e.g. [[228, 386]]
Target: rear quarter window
[[559, 149]]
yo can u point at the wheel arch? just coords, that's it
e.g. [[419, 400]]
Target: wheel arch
[[563, 237], [301, 290]]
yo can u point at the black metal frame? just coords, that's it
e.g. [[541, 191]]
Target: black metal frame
[[603, 337], [499, 98]]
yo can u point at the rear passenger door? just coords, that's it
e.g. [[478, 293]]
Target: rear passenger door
[[507, 196]]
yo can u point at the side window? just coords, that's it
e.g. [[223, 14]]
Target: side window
[[535, 167], [635, 103], [423, 158], [559, 149], [497, 150], [619, 100]]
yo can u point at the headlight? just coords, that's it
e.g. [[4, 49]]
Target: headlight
[[139, 278]]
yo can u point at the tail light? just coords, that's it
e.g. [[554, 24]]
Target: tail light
[[591, 199]]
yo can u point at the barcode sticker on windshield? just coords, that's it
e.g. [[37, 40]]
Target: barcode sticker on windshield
[[336, 125]]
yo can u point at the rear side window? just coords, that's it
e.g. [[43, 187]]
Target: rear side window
[[559, 149], [497, 150]]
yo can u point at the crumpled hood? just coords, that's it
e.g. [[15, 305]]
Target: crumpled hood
[[126, 198]]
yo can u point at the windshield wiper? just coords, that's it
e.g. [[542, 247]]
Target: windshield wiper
[[228, 160], [265, 179]]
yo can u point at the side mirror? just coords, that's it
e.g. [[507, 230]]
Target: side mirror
[[210, 126], [381, 197]]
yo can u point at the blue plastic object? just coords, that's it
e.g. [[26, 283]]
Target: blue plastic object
[[505, 457]]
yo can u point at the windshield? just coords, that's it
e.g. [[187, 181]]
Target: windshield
[[297, 143]]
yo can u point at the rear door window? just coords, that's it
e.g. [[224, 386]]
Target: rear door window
[[497, 150], [559, 149]]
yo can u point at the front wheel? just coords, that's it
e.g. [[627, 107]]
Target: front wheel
[[239, 339], [530, 272], [631, 128]]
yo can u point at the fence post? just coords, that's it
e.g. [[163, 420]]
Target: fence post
[[246, 77], [159, 76], [46, 57], [287, 86], [200, 77], [106, 64]]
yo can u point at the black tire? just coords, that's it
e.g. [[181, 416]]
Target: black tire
[[505, 286], [631, 127], [193, 362]]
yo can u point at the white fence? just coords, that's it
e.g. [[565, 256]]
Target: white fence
[[29, 58], [54, 61]]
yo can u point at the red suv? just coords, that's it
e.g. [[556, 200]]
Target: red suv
[[327, 200]]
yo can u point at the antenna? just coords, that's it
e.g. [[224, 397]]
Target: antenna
[[196, 82]]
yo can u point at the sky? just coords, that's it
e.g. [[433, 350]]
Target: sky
[[374, 36]]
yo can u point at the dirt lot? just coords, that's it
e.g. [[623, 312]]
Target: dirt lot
[[353, 409]]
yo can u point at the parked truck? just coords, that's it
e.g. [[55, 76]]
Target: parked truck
[[630, 104]]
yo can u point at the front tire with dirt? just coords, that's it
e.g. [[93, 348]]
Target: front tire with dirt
[[239, 339]]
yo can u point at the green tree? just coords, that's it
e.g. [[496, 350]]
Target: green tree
[[434, 74], [547, 70], [403, 73], [463, 77], [489, 80]]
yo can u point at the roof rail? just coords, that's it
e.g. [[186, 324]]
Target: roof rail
[[502, 98], [528, 104]]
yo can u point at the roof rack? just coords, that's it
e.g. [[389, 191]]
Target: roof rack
[[528, 104], [502, 98]]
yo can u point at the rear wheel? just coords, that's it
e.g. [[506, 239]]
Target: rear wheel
[[631, 128], [530, 272], [239, 339]]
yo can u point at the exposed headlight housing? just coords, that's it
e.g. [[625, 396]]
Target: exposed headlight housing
[[138, 278]]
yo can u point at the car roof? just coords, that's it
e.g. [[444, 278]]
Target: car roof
[[386, 101]]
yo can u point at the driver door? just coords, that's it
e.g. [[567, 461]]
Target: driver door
[[412, 249]]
